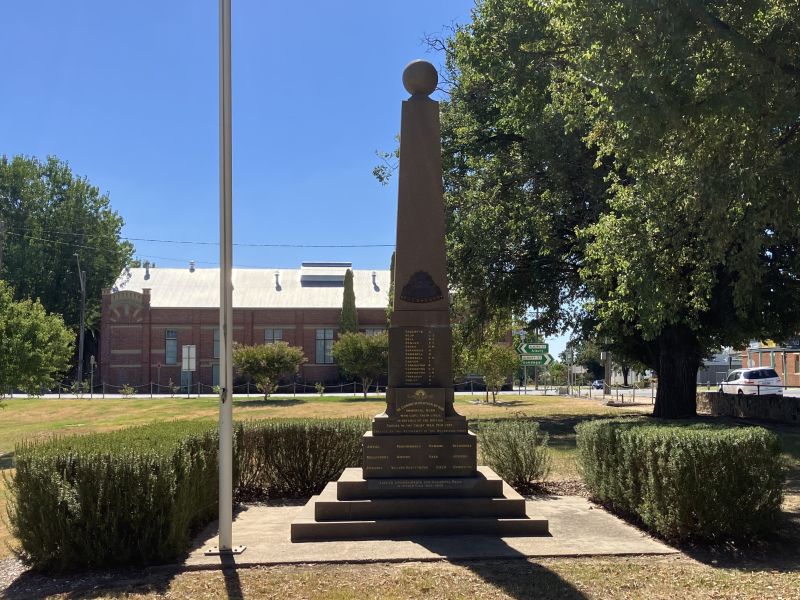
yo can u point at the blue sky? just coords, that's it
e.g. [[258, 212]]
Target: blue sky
[[127, 93]]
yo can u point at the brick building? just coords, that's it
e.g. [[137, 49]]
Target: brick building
[[150, 313], [785, 360]]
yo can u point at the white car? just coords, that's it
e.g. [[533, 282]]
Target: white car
[[755, 381]]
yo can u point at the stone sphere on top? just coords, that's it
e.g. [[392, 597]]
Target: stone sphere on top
[[420, 78]]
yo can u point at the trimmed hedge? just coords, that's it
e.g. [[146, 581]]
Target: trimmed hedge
[[135, 496], [296, 458], [129, 497], [685, 481]]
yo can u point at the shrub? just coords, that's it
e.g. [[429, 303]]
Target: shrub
[[685, 481], [516, 450], [267, 363], [296, 458], [130, 497], [134, 496], [320, 388], [127, 390]]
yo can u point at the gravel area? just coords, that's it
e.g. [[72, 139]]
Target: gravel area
[[10, 569], [565, 487]]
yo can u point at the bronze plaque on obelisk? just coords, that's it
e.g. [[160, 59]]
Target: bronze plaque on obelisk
[[420, 434]]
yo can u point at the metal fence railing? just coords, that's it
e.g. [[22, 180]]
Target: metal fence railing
[[745, 389], [615, 393]]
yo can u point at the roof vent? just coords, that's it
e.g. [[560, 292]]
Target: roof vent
[[375, 285], [147, 269], [331, 273], [278, 281], [191, 266]]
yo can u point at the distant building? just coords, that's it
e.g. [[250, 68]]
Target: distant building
[[715, 369], [784, 359], [150, 313]]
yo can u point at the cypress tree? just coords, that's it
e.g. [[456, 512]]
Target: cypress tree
[[349, 319]]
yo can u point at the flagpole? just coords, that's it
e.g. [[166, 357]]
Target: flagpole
[[225, 544]]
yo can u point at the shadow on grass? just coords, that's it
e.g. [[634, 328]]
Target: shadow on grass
[[511, 573], [276, 402], [523, 579], [155, 580], [7, 461], [777, 552], [353, 399], [233, 585], [91, 584]]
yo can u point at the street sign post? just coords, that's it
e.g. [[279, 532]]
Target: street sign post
[[189, 364], [531, 348], [536, 360]]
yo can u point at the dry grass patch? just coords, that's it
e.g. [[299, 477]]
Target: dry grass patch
[[6, 539], [602, 578]]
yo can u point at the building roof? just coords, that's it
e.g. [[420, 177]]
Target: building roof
[[257, 288]]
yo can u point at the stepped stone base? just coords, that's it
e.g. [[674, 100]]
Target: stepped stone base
[[357, 508], [433, 455]]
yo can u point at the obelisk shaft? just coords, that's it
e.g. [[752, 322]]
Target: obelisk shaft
[[420, 219]]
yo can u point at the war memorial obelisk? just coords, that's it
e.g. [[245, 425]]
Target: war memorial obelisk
[[420, 474]]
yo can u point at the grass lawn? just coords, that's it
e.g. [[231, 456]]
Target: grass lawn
[[37, 418], [5, 535], [774, 574], [563, 578]]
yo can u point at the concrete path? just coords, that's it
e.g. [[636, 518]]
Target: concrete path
[[577, 528]]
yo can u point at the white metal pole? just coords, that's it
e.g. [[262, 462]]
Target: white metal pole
[[226, 284]]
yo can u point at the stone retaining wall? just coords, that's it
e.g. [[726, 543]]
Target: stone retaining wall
[[768, 407]]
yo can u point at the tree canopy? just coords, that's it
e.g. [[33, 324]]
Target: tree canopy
[[496, 363], [630, 168], [265, 364], [49, 215], [363, 356], [35, 347]]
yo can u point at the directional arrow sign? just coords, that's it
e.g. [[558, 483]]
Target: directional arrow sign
[[536, 360], [531, 348]]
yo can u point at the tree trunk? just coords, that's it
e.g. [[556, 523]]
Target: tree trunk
[[365, 385], [625, 372], [678, 362]]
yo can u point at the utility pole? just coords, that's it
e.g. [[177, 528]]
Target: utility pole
[[82, 278]]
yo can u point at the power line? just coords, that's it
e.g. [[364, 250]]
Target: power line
[[96, 249], [138, 254], [207, 243]]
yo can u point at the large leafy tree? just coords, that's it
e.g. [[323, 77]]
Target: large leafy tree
[[697, 107], [516, 186], [363, 356], [35, 347], [49, 215], [666, 218]]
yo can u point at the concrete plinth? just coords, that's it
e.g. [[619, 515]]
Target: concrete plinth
[[438, 455], [353, 486], [482, 504]]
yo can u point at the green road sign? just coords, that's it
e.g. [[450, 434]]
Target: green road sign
[[531, 348], [536, 360]]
